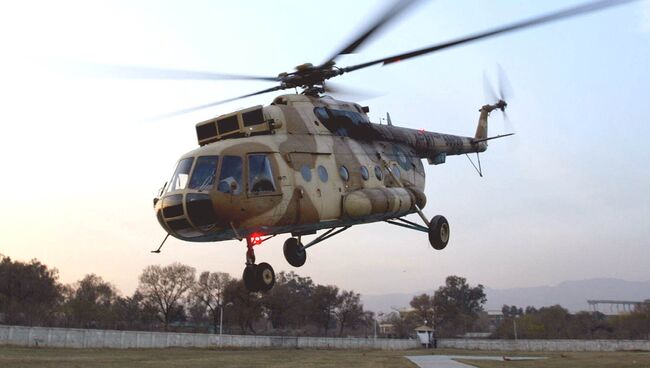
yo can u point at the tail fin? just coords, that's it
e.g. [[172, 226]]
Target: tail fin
[[482, 127]]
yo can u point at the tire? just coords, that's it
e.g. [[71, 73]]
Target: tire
[[439, 232], [293, 252], [265, 276], [250, 278]]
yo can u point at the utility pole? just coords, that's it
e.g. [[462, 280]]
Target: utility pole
[[514, 324]]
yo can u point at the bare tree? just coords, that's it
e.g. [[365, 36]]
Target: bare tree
[[209, 291], [165, 286]]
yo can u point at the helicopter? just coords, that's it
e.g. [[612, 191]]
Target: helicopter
[[309, 162]]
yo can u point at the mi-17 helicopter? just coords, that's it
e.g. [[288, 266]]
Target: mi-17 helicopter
[[308, 162]]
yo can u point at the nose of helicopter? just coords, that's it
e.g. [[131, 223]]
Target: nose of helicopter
[[187, 215]]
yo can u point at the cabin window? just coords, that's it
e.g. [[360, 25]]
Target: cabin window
[[260, 174], [322, 173], [253, 117], [364, 173], [343, 172], [378, 173], [227, 125], [305, 171], [230, 179], [181, 174], [204, 172]]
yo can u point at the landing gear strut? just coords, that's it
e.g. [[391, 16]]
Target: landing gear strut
[[259, 277], [437, 228]]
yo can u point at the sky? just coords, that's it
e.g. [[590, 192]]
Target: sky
[[566, 199]]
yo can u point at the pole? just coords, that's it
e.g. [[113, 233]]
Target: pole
[[375, 329], [514, 323], [221, 322]]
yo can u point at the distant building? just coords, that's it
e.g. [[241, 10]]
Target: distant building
[[614, 307], [386, 329]]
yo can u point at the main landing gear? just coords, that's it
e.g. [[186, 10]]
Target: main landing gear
[[437, 228], [257, 277]]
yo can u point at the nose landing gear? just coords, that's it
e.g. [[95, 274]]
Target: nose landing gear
[[257, 277]]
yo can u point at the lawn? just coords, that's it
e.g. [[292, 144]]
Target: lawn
[[189, 357]]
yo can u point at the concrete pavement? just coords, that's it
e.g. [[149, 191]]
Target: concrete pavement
[[447, 361]]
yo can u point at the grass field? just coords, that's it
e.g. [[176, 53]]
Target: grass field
[[185, 357]]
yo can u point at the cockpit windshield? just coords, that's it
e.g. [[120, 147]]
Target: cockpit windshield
[[204, 172], [230, 179], [181, 174]]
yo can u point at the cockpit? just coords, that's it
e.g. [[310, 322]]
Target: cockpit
[[189, 205]]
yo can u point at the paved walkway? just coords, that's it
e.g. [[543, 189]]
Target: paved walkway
[[446, 361]]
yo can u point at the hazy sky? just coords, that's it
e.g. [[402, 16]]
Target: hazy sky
[[567, 199]]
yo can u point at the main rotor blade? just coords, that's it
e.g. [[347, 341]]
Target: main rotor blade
[[388, 15], [348, 92], [96, 70], [205, 106], [566, 13]]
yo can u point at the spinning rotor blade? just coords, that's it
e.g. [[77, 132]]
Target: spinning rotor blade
[[348, 92], [505, 89], [488, 91], [388, 15], [137, 72], [566, 13], [205, 106]]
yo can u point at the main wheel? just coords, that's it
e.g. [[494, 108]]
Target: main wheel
[[250, 278], [293, 252], [438, 232], [265, 276]]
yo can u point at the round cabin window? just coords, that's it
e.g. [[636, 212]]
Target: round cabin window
[[322, 173], [306, 173], [378, 173], [364, 173], [345, 175]]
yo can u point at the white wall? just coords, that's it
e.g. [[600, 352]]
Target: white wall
[[78, 338]]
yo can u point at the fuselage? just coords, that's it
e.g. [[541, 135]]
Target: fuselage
[[296, 166]]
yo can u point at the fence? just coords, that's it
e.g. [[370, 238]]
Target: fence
[[79, 338], [545, 345]]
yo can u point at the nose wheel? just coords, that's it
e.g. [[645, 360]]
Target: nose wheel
[[257, 277]]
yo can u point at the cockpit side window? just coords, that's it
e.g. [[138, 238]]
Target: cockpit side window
[[260, 174], [204, 172], [230, 179], [181, 174]]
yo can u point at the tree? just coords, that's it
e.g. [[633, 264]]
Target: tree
[[209, 291], [29, 292], [424, 307], [134, 312], [457, 305], [511, 311], [287, 304], [89, 304], [324, 301], [349, 311], [246, 307], [165, 287]]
